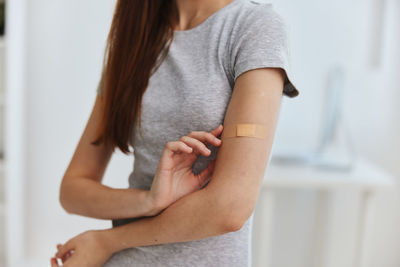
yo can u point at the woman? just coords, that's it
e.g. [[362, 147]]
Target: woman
[[185, 68]]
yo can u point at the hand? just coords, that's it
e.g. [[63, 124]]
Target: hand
[[174, 177], [84, 250]]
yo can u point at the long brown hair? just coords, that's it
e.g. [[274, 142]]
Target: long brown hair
[[140, 36]]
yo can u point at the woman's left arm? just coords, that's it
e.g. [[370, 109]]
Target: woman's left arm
[[229, 199]]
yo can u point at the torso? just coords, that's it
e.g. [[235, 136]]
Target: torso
[[190, 91]]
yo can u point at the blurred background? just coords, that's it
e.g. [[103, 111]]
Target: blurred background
[[331, 195]]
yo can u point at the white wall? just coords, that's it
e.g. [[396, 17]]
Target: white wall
[[324, 33], [15, 128], [64, 46]]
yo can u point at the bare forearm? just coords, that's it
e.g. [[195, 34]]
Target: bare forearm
[[89, 198], [192, 217]]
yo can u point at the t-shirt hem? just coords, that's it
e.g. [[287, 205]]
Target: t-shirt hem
[[289, 89]]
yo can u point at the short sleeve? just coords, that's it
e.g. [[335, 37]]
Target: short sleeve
[[262, 41]]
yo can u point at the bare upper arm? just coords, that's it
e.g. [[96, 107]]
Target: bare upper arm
[[241, 161], [88, 160]]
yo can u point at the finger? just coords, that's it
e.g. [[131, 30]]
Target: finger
[[218, 130], [206, 137], [197, 145], [66, 257], [177, 146], [54, 263], [204, 176], [64, 249], [63, 259]]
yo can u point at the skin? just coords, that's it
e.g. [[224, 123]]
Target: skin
[[82, 193], [190, 214], [173, 180]]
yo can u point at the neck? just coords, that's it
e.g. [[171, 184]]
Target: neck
[[193, 12]]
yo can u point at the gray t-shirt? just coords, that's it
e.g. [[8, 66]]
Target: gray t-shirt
[[191, 91]]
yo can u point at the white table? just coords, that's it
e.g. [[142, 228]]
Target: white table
[[364, 176]]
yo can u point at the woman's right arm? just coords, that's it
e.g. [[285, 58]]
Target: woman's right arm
[[81, 190]]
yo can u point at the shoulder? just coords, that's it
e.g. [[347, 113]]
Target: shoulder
[[258, 17], [257, 26], [259, 39]]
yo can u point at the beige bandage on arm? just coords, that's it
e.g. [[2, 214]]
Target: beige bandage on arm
[[245, 129]]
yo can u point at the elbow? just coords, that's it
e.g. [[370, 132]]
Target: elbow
[[232, 213], [63, 200], [231, 225], [236, 217]]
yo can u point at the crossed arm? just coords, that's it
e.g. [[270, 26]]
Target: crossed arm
[[229, 199]]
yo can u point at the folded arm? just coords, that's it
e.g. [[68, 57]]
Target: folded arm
[[83, 196], [81, 191], [229, 199]]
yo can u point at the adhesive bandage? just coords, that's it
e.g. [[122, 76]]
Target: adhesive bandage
[[245, 129]]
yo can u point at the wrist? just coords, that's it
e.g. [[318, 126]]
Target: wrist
[[149, 203], [142, 201], [106, 238]]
